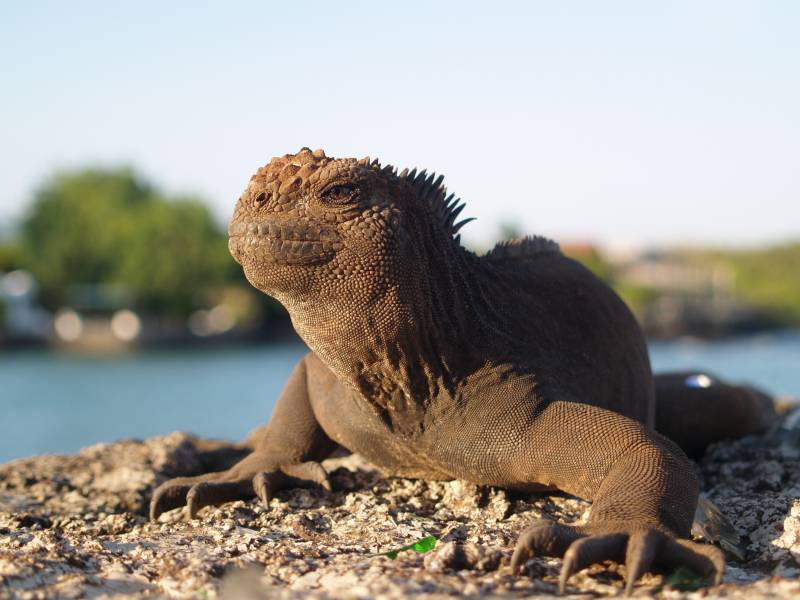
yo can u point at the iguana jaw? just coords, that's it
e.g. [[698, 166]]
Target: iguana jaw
[[282, 241]]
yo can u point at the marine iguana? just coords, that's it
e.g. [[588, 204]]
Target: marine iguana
[[518, 369]]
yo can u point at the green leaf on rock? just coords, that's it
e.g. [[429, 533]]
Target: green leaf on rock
[[422, 546], [685, 580]]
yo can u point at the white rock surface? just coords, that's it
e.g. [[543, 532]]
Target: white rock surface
[[74, 527]]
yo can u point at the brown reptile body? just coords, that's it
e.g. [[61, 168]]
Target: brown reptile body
[[517, 369]]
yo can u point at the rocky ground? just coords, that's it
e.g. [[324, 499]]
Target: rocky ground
[[75, 527]]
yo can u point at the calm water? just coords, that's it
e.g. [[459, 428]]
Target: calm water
[[52, 402]]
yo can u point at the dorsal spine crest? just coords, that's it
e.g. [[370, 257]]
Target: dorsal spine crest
[[531, 245]]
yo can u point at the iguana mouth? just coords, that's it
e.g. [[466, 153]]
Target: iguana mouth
[[283, 243]]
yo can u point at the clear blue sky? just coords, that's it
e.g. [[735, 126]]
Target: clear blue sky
[[621, 122]]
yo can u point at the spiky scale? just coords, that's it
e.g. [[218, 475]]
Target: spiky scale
[[427, 189], [461, 223], [425, 183], [451, 217]]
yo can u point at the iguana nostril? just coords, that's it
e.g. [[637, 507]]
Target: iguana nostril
[[260, 200]]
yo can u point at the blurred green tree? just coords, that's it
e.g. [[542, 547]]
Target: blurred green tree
[[766, 278], [112, 227], [9, 256]]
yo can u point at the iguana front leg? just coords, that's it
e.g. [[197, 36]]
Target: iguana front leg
[[286, 455], [644, 492]]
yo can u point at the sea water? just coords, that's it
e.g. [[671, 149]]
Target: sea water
[[56, 402]]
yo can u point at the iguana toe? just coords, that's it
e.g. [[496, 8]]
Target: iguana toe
[[702, 558], [543, 538], [307, 474], [310, 472], [588, 551], [237, 483], [172, 494], [640, 552], [212, 493], [265, 485]]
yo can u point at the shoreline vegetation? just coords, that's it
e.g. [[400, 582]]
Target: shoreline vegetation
[[103, 261]]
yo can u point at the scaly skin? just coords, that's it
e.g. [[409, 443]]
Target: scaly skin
[[517, 369]]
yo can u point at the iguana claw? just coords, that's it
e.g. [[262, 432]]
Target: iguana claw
[[641, 550]]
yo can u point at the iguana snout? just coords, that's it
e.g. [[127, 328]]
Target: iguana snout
[[283, 241]]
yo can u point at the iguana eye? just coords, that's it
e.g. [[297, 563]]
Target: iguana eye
[[339, 194]]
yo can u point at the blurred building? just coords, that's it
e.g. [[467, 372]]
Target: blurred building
[[102, 318], [22, 320], [679, 296]]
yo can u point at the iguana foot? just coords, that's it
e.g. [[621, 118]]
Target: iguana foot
[[243, 481], [639, 549]]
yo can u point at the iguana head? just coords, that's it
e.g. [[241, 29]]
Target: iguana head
[[369, 264], [310, 226]]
